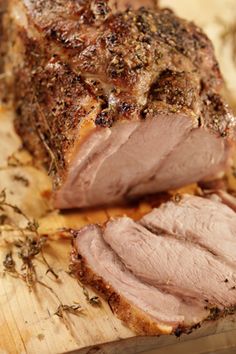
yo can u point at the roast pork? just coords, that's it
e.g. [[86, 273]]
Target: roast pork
[[117, 98], [145, 308], [177, 260]]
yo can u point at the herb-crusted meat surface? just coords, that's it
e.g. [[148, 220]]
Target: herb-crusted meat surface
[[115, 98]]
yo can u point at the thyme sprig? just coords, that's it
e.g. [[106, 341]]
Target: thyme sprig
[[73, 309], [94, 300], [13, 161], [32, 225], [9, 264], [29, 245]]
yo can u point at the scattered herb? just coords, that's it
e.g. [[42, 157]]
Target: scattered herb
[[9, 264], [14, 161], [73, 309], [31, 279], [94, 300], [40, 336], [21, 179], [3, 219], [50, 269], [53, 164], [29, 246], [28, 249], [71, 272], [32, 225], [110, 303]]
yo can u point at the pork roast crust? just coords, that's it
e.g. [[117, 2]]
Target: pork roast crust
[[134, 59], [136, 319], [86, 65]]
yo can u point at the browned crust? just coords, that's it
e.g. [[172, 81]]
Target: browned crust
[[45, 91], [98, 52]]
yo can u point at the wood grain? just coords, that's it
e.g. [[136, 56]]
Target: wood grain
[[28, 323]]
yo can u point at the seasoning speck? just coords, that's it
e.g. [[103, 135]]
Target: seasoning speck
[[40, 336]]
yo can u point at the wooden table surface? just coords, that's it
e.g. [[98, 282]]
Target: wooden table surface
[[28, 323]]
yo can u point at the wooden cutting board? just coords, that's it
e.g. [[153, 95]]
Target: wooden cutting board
[[28, 323]]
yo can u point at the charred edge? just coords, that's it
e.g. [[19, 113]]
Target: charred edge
[[83, 272], [118, 306], [180, 330], [104, 119], [215, 314], [218, 112]]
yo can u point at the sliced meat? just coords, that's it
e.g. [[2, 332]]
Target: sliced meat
[[207, 223], [223, 196], [179, 267], [115, 97], [144, 308]]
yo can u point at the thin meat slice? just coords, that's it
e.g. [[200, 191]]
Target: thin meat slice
[[208, 223], [143, 307], [177, 266], [223, 196]]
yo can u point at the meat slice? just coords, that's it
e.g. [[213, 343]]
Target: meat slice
[[179, 267], [167, 272], [208, 223], [144, 308], [114, 97], [223, 196]]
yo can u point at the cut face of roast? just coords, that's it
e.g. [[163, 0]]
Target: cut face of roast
[[116, 160], [199, 156]]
